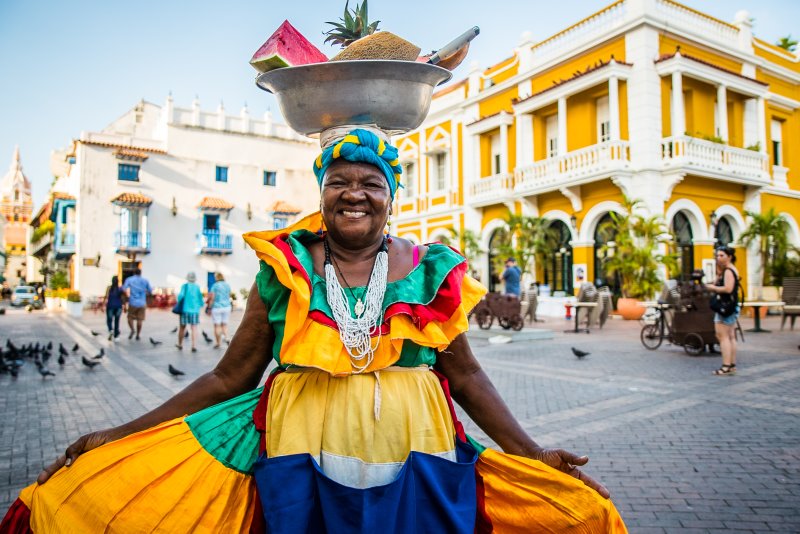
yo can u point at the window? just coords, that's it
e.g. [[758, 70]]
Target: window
[[279, 223], [222, 174], [603, 121], [210, 223], [270, 178], [777, 142], [127, 172], [551, 127], [494, 141], [439, 171], [409, 179], [16, 195], [497, 163]]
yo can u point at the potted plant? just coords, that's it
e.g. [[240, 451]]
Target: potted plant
[[74, 304], [639, 250]]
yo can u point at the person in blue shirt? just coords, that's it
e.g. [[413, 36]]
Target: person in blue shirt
[[511, 278], [137, 288], [190, 299], [219, 307]]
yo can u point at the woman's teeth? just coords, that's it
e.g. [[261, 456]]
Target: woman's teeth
[[353, 214]]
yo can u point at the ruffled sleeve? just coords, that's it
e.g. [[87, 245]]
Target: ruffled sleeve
[[428, 308]]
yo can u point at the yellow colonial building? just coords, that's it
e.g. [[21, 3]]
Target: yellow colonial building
[[693, 115]]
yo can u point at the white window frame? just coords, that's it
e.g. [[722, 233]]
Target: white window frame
[[440, 166], [497, 158], [551, 134], [603, 120], [776, 135], [409, 179]]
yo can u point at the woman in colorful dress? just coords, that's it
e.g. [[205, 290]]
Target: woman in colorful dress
[[355, 430]]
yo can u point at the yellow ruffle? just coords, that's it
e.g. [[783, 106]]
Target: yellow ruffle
[[524, 495], [307, 343], [158, 480]]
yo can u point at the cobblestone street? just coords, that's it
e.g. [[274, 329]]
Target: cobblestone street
[[681, 450]]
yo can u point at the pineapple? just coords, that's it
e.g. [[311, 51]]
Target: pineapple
[[352, 27]]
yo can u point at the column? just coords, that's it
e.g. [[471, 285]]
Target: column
[[524, 139], [562, 126], [678, 113], [761, 124], [722, 112], [613, 107]]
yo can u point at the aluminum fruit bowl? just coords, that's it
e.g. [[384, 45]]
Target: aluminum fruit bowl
[[394, 95]]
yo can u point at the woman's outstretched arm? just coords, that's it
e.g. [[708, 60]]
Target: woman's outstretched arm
[[473, 391], [240, 370]]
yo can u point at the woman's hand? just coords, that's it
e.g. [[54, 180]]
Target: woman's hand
[[568, 463], [83, 444]]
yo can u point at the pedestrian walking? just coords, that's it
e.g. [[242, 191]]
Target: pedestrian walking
[[137, 288], [726, 307], [511, 276], [190, 300], [113, 303], [218, 306]]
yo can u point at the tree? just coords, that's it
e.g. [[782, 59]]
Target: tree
[[768, 231], [787, 43], [466, 241], [637, 251], [526, 238]]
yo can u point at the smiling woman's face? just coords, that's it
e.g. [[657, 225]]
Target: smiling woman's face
[[356, 203]]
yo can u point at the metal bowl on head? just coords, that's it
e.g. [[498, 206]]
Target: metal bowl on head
[[394, 95]]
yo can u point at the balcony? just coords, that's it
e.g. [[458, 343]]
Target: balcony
[[573, 168], [41, 246], [126, 242], [64, 244], [715, 160], [491, 190], [213, 242]]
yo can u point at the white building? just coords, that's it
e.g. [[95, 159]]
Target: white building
[[171, 190]]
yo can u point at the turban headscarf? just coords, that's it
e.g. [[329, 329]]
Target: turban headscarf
[[362, 146]]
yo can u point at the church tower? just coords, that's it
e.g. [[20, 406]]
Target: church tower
[[16, 207]]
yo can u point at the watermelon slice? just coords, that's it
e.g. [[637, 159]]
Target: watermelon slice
[[286, 48]]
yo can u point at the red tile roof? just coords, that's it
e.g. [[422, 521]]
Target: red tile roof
[[116, 145], [578, 74], [665, 57], [63, 196], [212, 203], [284, 207], [130, 154], [132, 199]]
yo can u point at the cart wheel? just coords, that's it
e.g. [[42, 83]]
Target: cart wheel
[[517, 322], [484, 318], [693, 344], [505, 322], [651, 337]]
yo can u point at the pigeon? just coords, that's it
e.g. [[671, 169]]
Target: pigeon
[[186, 335], [205, 336], [175, 372], [174, 330], [100, 354], [45, 372], [76, 348], [61, 360], [46, 357], [155, 342], [579, 353], [88, 363], [62, 350], [50, 346], [94, 333], [14, 371]]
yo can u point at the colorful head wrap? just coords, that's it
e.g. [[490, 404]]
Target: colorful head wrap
[[362, 146]]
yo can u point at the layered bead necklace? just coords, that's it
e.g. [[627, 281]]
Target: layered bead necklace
[[356, 329]]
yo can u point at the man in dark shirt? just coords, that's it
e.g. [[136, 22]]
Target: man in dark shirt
[[511, 277]]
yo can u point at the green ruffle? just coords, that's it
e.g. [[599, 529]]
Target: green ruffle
[[227, 432]]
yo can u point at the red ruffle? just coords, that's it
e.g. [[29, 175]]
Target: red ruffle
[[17, 519], [294, 263]]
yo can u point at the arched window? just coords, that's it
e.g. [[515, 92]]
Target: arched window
[[603, 234], [682, 229], [723, 232], [558, 267]]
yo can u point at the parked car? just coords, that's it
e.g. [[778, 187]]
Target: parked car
[[25, 295]]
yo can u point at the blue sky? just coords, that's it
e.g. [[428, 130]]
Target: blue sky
[[67, 67]]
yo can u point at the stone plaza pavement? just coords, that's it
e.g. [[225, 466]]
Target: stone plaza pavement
[[681, 450]]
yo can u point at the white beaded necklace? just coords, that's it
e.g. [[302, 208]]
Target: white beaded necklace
[[356, 333]]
